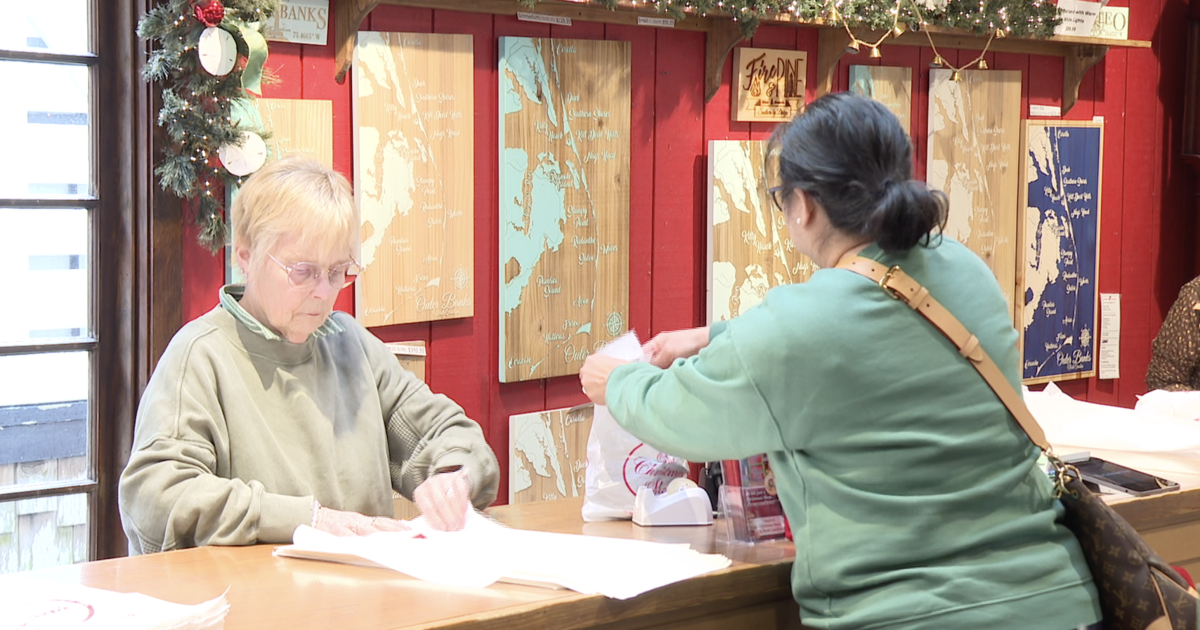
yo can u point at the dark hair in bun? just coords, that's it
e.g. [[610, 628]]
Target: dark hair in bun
[[850, 153]]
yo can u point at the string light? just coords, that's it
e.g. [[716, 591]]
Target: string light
[[939, 61], [895, 30], [1033, 18]]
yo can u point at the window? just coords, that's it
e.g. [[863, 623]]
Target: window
[[66, 355]]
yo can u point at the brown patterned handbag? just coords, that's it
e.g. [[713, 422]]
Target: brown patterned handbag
[[1138, 590]]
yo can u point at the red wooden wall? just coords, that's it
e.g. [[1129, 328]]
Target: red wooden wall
[[1148, 227]]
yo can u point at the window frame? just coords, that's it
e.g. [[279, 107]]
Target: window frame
[[129, 253]]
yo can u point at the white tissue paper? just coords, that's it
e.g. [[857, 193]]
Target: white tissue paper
[[484, 552], [1144, 438], [1181, 405], [39, 604]]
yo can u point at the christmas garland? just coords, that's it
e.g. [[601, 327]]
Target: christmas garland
[[208, 58], [1021, 18]]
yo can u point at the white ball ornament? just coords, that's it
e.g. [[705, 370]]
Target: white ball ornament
[[246, 159], [218, 51]]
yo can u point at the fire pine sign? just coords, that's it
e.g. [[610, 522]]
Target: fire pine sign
[[769, 84]]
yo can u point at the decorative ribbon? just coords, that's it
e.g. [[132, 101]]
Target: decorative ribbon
[[256, 58]]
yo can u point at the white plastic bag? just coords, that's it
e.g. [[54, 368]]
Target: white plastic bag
[[618, 463]]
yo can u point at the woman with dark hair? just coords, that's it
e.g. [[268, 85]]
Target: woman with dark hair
[[914, 498]]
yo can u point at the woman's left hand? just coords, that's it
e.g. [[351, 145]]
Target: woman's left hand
[[593, 376]]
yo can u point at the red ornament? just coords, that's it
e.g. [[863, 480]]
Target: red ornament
[[210, 13]]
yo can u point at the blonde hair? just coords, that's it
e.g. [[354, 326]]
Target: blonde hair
[[295, 197]]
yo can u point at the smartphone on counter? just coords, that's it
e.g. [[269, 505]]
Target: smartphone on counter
[[1122, 479]]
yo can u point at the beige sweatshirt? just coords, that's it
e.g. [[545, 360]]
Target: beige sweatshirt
[[238, 434]]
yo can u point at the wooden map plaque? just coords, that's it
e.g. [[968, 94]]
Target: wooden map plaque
[[974, 157], [290, 127], [888, 85], [297, 127], [414, 177], [547, 454], [1063, 165], [749, 248], [564, 202]]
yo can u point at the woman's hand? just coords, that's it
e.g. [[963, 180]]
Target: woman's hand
[[444, 499], [665, 347], [593, 376], [342, 523]]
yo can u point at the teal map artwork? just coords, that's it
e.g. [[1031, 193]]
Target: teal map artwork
[[564, 202], [1062, 227]]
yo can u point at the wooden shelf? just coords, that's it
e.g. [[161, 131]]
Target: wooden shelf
[[350, 14], [1079, 53]]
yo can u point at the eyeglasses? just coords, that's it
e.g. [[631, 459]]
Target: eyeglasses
[[776, 198], [774, 192], [306, 275]]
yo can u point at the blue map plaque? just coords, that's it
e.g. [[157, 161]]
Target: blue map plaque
[[1063, 162]]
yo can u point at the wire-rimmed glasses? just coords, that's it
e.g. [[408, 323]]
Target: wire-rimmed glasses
[[304, 275], [774, 192]]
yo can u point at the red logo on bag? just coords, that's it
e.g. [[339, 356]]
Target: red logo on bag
[[654, 473]]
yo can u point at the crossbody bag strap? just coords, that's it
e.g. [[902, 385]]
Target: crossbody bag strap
[[903, 287]]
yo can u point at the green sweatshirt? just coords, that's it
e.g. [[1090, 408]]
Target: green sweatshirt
[[237, 434], [912, 494]]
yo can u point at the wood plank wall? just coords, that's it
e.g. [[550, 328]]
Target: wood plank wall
[[1149, 228]]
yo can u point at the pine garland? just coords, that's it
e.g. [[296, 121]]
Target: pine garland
[[1020, 18], [196, 106]]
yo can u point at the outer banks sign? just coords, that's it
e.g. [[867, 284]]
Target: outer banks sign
[[769, 84], [299, 22]]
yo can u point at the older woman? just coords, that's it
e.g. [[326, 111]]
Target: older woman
[[914, 498], [271, 411]]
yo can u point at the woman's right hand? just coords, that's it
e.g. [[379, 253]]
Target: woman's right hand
[[341, 523], [665, 347]]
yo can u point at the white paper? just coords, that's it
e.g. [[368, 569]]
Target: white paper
[[625, 347], [1078, 17], [659, 22], [526, 16], [30, 603], [1110, 335], [1045, 110], [485, 552]]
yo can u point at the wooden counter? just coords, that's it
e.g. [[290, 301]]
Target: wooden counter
[[1170, 522], [270, 592]]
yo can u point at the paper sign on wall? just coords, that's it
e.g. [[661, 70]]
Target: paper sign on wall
[[299, 22], [1078, 17], [1110, 335], [1112, 23]]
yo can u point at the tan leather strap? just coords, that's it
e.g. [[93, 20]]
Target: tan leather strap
[[901, 286]]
